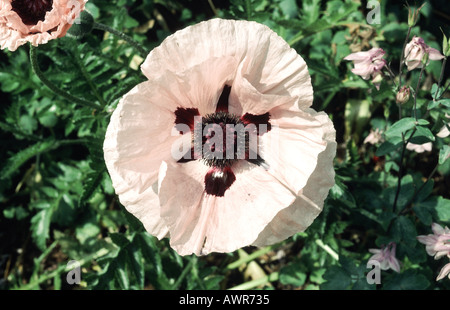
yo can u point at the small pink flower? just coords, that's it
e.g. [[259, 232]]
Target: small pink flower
[[444, 132], [445, 271], [36, 21], [208, 76], [369, 64], [420, 148], [415, 52], [374, 137], [386, 257], [438, 243]]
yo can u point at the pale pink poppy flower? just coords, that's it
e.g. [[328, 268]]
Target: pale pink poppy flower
[[374, 137], [438, 243], [36, 21], [419, 148], [415, 51], [216, 73], [386, 257], [369, 64]]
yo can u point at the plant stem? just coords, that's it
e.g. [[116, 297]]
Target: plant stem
[[416, 91], [88, 78], [53, 87], [252, 256], [400, 172], [255, 283], [441, 76], [62, 268], [184, 273], [327, 249], [141, 49], [402, 57], [404, 211]]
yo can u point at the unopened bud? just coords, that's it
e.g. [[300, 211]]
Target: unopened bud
[[403, 95], [445, 45], [413, 15]]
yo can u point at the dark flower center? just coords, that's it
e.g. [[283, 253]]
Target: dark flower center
[[220, 139], [31, 11]]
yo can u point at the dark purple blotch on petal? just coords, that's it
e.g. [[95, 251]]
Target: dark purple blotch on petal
[[218, 180], [185, 116]]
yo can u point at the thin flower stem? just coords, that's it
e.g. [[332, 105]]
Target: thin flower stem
[[88, 78], [402, 57], [213, 8], [141, 49], [401, 169], [274, 276], [327, 249], [53, 87], [442, 72], [184, 273], [416, 91], [404, 211], [252, 256]]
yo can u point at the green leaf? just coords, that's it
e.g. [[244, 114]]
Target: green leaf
[[388, 147], [403, 230], [119, 239], [422, 135], [407, 280], [400, 127], [337, 279], [40, 227], [444, 154], [93, 181], [17, 160], [292, 275]]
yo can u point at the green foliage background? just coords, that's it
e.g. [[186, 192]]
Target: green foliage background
[[56, 199]]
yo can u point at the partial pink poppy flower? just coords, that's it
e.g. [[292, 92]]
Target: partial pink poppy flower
[[178, 166], [36, 21], [369, 64], [419, 148], [415, 51], [438, 243], [386, 257]]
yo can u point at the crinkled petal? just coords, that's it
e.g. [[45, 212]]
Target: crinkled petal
[[263, 58], [201, 223], [309, 203], [14, 33]]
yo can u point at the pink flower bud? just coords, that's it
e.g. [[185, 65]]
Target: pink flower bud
[[403, 95]]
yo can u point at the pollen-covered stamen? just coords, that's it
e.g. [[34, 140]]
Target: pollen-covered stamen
[[222, 139], [32, 11]]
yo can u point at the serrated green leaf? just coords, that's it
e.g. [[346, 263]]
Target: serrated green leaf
[[292, 274], [336, 279], [40, 227], [92, 182], [17, 160]]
